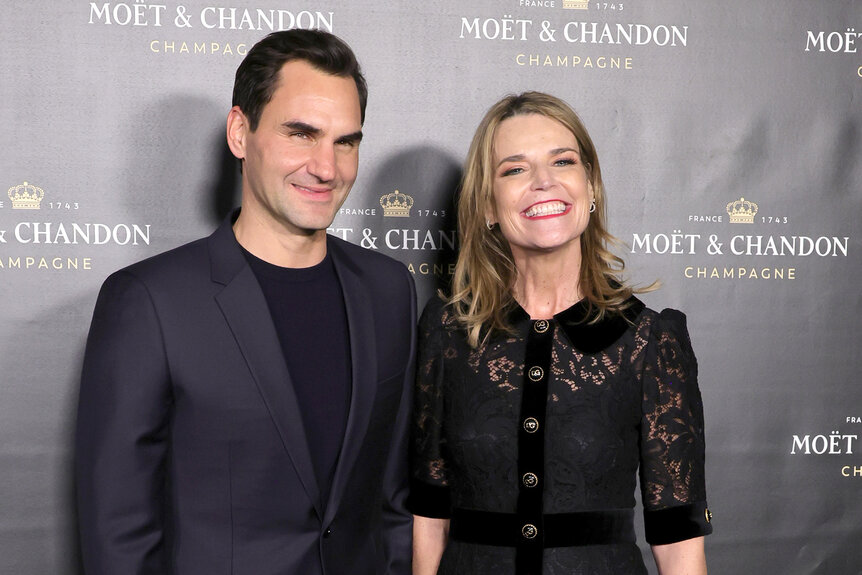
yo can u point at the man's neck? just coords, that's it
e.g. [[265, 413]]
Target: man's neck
[[280, 247]]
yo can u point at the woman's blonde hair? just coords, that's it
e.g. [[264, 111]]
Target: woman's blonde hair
[[481, 296]]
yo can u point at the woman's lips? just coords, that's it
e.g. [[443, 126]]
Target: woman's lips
[[548, 209]]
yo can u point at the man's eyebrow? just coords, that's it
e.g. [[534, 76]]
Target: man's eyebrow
[[301, 126], [353, 138]]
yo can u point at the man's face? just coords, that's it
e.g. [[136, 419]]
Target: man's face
[[301, 161]]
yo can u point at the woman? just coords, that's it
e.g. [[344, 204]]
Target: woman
[[543, 384]]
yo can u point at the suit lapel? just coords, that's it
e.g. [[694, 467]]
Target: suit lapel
[[363, 354], [244, 307]]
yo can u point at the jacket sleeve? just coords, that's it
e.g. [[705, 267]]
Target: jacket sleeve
[[121, 436], [397, 521]]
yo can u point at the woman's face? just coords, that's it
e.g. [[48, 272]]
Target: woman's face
[[541, 196]]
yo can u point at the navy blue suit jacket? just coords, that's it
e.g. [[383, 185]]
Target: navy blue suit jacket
[[191, 454]]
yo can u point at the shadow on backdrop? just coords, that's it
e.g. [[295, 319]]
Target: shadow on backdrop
[[179, 173], [430, 175], [225, 186]]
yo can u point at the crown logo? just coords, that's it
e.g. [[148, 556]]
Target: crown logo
[[26, 196], [742, 211], [396, 205], [576, 4]]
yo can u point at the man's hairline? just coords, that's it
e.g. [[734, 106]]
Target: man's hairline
[[277, 83]]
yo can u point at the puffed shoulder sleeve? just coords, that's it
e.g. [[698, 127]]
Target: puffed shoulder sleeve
[[672, 440], [429, 488]]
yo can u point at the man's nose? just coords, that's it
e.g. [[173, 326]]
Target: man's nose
[[321, 164]]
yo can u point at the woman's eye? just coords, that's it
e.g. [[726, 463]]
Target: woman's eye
[[512, 171], [565, 162]]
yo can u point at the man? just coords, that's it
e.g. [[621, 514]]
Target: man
[[244, 398]]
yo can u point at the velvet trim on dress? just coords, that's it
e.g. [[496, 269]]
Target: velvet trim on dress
[[590, 337], [428, 500], [676, 524]]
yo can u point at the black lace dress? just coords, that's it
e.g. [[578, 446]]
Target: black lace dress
[[531, 443]]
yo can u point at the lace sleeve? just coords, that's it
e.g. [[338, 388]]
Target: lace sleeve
[[429, 488], [672, 440]]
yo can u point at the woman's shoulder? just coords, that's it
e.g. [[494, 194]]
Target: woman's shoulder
[[666, 319], [666, 330], [437, 315]]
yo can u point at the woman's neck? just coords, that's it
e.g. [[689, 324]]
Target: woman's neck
[[547, 282]]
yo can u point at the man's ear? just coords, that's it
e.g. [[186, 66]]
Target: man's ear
[[237, 130]]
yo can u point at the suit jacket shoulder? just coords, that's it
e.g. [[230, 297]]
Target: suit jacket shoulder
[[366, 258], [196, 267], [383, 276], [187, 257]]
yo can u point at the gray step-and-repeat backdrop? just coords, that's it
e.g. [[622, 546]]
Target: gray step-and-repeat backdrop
[[730, 134]]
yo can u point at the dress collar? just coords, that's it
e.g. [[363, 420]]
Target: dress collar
[[590, 337]]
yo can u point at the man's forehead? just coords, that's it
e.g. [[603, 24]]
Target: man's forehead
[[300, 75], [306, 90]]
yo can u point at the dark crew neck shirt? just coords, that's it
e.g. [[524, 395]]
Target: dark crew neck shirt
[[307, 308]]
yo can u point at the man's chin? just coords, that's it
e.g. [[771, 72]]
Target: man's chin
[[312, 226]]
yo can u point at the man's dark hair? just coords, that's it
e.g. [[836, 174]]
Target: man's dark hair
[[257, 76]]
